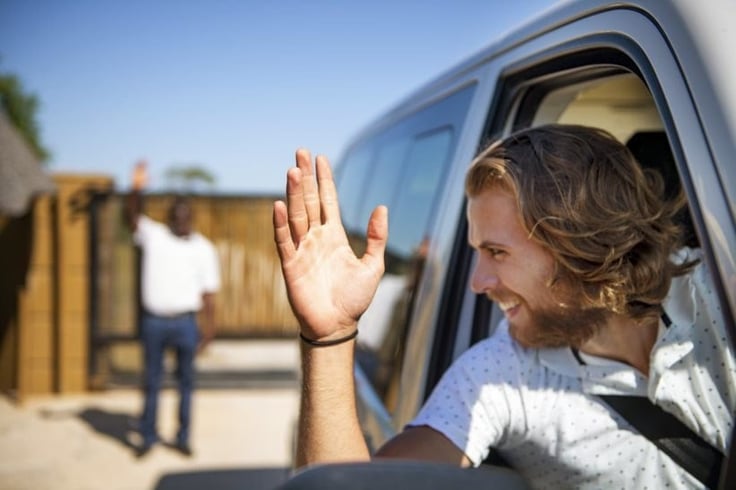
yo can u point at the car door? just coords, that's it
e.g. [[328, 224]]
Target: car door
[[647, 71], [402, 162], [630, 70]]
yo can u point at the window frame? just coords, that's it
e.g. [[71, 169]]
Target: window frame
[[382, 423]]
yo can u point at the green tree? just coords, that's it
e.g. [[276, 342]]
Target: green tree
[[22, 108], [189, 177]]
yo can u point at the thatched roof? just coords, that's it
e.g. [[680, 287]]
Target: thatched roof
[[21, 174]]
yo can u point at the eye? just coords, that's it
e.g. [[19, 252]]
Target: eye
[[495, 253]]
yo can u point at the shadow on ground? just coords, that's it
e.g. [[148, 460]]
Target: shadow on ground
[[115, 425], [240, 479], [118, 426]]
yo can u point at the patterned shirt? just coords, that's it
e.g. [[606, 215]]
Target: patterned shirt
[[539, 409]]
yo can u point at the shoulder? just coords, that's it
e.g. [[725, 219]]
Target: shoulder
[[499, 356], [499, 340], [204, 249], [501, 343], [146, 227], [147, 222], [201, 241]]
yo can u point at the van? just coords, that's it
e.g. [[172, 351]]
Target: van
[[657, 74]]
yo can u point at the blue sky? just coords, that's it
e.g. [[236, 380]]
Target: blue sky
[[235, 86]]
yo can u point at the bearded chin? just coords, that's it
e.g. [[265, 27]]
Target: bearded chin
[[562, 327]]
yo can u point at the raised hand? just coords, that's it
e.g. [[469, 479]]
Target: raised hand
[[139, 179], [328, 286]]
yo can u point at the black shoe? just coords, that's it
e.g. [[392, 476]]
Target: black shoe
[[184, 449], [143, 449]]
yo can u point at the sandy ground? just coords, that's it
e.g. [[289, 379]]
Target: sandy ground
[[242, 437]]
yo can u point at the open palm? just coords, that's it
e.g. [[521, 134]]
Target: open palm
[[328, 286]]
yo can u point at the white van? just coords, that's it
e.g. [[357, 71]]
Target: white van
[[660, 75]]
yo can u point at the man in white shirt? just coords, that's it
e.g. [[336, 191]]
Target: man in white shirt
[[179, 277], [579, 248]]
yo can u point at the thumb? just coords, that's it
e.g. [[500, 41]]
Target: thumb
[[376, 237]]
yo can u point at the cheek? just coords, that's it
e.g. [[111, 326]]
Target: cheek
[[540, 264], [533, 284]]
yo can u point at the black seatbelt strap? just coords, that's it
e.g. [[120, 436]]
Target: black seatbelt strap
[[669, 434]]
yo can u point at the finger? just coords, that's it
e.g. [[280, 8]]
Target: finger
[[309, 186], [327, 192], [376, 237], [281, 233], [296, 211]]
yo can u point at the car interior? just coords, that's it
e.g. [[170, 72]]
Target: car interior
[[622, 105]]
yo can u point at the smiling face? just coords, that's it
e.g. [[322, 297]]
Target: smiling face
[[517, 273]]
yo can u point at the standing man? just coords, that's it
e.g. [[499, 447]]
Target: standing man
[[179, 276]]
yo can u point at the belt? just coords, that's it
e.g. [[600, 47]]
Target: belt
[[172, 316]]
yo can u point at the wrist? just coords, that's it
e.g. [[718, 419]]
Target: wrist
[[328, 342]]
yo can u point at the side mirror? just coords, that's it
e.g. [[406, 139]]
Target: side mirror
[[404, 475]]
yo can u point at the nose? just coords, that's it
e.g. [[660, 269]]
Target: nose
[[484, 277]]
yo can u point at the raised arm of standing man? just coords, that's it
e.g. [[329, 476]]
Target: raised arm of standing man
[[328, 288], [134, 200]]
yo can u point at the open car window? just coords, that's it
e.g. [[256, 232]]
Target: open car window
[[622, 101]]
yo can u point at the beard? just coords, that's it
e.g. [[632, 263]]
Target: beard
[[566, 324]]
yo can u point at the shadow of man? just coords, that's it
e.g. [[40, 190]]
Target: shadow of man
[[115, 425]]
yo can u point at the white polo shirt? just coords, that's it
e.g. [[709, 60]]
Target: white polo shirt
[[537, 406], [175, 271]]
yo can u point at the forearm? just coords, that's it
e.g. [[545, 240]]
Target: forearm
[[328, 421], [329, 288], [208, 321], [134, 200], [207, 326], [133, 208]]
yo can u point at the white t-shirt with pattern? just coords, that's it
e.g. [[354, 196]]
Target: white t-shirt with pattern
[[538, 407]]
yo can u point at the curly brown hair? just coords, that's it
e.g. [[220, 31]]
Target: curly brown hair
[[583, 196]]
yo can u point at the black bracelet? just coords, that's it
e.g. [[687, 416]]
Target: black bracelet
[[327, 343]]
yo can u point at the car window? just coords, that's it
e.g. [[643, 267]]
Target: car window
[[402, 167], [622, 103], [618, 102], [423, 171], [350, 176], [386, 170]]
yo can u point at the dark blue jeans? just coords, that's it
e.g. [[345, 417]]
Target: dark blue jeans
[[158, 334]]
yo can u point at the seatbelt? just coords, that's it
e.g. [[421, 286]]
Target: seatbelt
[[669, 434]]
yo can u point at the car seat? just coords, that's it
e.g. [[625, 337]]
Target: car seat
[[652, 150]]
